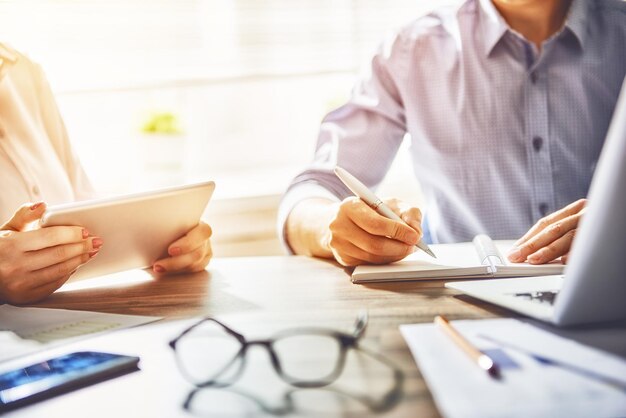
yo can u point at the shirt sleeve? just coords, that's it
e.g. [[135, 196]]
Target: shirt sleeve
[[57, 133], [362, 136]]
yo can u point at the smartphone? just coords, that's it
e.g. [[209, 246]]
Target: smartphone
[[60, 375]]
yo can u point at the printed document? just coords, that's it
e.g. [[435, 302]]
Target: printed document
[[26, 330], [543, 374]]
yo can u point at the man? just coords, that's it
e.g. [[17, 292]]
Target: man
[[507, 104]]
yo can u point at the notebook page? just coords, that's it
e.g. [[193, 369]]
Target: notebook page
[[453, 260]]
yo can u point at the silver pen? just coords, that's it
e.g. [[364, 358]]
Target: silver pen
[[366, 195]]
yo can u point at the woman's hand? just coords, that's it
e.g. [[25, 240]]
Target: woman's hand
[[36, 262], [189, 254], [359, 235], [551, 237]]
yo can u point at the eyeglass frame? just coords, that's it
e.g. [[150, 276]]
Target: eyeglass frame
[[345, 340]]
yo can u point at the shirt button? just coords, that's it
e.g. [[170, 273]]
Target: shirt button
[[537, 143], [543, 209], [35, 190], [533, 77]]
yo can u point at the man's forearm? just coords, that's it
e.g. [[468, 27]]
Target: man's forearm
[[307, 227]]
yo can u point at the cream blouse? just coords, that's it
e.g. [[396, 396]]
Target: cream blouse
[[37, 162]]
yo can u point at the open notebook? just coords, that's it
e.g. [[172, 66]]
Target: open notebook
[[455, 261]]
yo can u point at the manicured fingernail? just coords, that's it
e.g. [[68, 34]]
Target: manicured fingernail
[[85, 233], [93, 254], [159, 269], [515, 254], [97, 243], [35, 206], [174, 251]]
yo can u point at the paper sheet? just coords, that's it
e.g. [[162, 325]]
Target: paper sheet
[[587, 382], [26, 330]]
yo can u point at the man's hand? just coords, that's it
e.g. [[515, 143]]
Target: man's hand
[[36, 262], [551, 237], [188, 254], [359, 235]]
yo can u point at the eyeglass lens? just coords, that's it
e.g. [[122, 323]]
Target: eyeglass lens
[[308, 357], [208, 353]]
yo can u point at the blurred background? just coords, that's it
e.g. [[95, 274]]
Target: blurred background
[[163, 92]]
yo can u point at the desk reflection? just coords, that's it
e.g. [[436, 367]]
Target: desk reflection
[[370, 385], [138, 292]]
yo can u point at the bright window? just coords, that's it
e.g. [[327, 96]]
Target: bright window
[[235, 89]]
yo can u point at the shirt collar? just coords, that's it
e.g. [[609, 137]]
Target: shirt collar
[[577, 20], [494, 26]]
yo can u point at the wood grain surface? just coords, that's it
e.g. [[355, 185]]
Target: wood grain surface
[[265, 294]]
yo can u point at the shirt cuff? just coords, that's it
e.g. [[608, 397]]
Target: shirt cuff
[[295, 195]]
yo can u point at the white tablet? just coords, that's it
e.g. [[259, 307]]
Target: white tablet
[[137, 228]]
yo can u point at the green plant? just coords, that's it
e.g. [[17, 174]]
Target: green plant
[[162, 123]]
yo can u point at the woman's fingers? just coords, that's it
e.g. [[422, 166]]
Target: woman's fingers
[[24, 216], [50, 237], [36, 260], [189, 262], [192, 240], [35, 285], [190, 253], [57, 271]]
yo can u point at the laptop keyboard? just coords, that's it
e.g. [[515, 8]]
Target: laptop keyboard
[[543, 297]]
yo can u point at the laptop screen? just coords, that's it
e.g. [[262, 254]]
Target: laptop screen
[[595, 278]]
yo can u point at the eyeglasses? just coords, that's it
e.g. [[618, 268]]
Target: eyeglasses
[[209, 353]]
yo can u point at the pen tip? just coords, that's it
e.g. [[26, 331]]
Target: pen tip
[[430, 253]]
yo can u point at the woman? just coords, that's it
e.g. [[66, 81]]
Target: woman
[[39, 167]]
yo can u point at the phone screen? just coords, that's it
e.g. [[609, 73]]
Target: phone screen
[[61, 374]]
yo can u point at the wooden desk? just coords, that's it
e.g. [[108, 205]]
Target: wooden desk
[[258, 294]]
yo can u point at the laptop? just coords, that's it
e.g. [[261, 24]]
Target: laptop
[[593, 285]]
